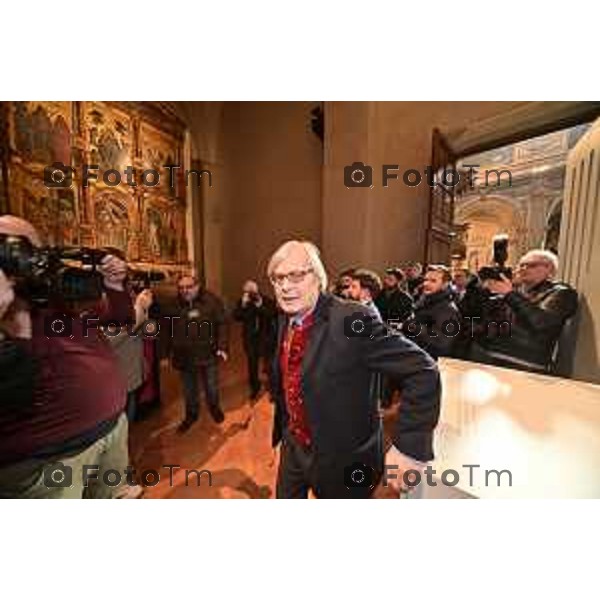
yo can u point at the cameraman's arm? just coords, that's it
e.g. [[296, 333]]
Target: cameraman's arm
[[549, 314]]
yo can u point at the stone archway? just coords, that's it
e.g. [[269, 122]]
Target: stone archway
[[482, 219]]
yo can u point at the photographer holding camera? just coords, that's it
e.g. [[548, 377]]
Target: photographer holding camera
[[327, 416], [258, 315], [74, 412], [534, 306]]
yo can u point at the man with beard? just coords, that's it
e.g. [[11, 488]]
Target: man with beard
[[437, 320]]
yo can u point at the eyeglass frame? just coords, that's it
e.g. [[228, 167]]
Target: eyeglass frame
[[532, 265], [294, 277]]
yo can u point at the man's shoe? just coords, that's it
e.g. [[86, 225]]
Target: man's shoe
[[217, 414], [186, 424]]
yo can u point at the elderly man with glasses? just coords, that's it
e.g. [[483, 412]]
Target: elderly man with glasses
[[537, 308], [327, 417]]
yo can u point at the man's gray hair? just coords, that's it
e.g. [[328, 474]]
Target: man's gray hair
[[312, 253], [544, 255]]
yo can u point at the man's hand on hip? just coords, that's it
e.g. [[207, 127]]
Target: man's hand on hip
[[397, 464]]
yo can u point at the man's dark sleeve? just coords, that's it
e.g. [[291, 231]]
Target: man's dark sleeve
[[419, 380], [239, 312], [433, 339], [549, 314]]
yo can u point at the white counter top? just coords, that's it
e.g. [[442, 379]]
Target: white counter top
[[544, 430]]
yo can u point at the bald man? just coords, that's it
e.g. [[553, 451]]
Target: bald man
[[74, 415]]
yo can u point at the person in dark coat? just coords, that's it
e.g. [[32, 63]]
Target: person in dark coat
[[437, 319], [327, 416], [533, 310], [343, 284], [258, 315], [198, 339], [395, 305], [414, 279]]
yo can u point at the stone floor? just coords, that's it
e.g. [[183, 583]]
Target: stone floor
[[237, 452]]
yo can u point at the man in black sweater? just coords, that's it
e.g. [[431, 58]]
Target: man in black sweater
[[258, 315]]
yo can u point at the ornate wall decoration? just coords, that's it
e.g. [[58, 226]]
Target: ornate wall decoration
[[147, 223]]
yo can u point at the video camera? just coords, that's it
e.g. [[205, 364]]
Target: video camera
[[48, 274], [43, 274], [500, 256], [141, 279]]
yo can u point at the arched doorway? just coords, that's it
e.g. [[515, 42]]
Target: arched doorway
[[483, 218]]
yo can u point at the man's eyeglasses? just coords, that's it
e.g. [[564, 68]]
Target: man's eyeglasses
[[278, 279], [531, 265]]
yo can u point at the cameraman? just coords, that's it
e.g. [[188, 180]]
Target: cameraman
[[258, 315], [75, 416], [536, 307]]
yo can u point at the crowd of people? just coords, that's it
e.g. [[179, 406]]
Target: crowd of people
[[68, 399], [495, 317]]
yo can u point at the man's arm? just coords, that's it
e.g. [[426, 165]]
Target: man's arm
[[240, 311], [549, 314], [419, 380]]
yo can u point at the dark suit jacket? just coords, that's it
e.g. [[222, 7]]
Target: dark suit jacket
[[192, 344], [339, 390]]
